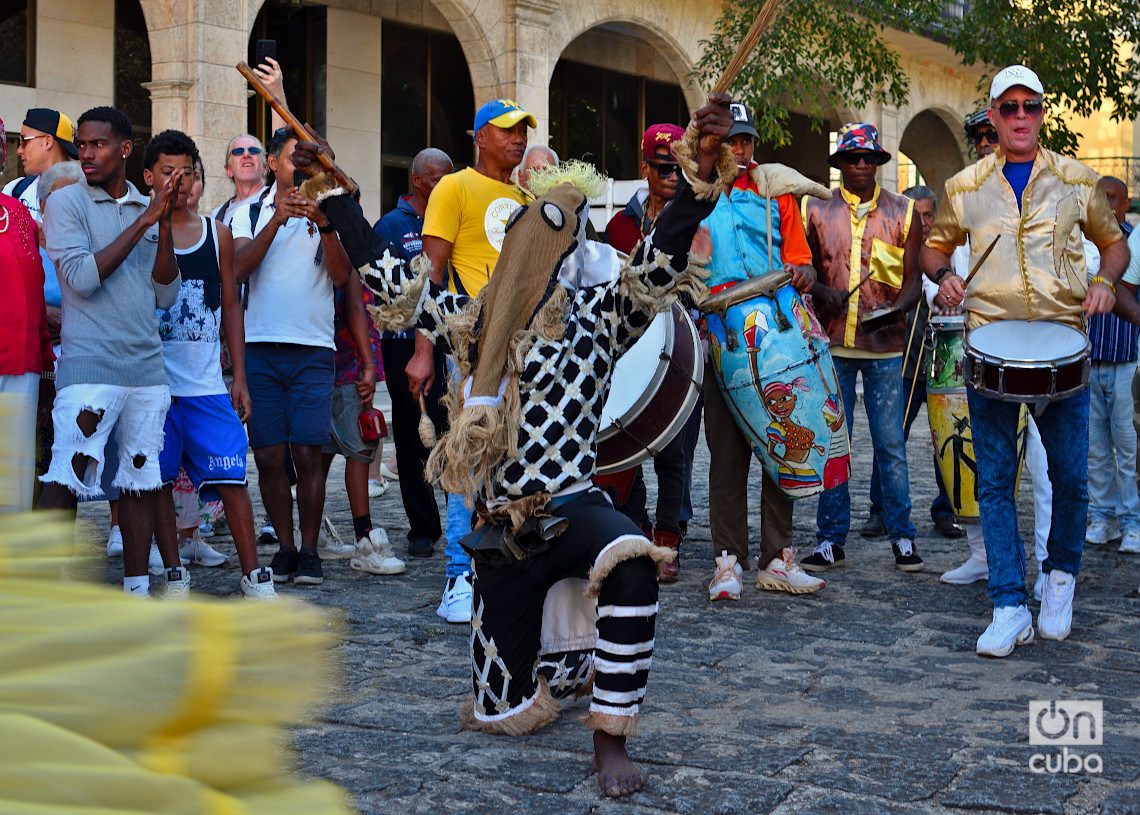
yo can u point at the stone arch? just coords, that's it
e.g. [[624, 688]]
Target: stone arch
[[933, 142]]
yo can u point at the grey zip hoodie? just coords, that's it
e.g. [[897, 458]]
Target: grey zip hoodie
[[110, 328]]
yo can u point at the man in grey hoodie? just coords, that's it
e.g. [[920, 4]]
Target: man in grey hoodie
[[114, 255]]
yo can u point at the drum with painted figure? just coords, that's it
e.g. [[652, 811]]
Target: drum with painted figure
[[773, 364], [949, 415]]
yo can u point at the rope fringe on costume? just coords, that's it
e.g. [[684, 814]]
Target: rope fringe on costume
[[321, 186], [481, 437], [614, 725], [404, 310], [686, 152], [689, 282], [540, 712], [621, 550], [584, 177]]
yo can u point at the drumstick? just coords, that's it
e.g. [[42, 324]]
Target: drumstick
[[426, 428], [978, 265], [1058, 313], [298, 127], [847, 296], [764, 19], [917, 364]]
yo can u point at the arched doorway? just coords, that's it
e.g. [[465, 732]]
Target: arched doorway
[[930, 142]]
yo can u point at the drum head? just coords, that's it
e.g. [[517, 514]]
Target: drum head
[[1023, 341], [636, 370], [948, 322]]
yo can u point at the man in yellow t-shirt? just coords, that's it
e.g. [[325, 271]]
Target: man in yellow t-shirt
[[464, 226]]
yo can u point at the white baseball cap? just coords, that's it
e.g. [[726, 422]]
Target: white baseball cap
[[1012, 76]]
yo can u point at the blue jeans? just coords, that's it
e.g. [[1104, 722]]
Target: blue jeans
[[994, 428], [1112, 447], [882, 388], [940, 507], [458, 525]]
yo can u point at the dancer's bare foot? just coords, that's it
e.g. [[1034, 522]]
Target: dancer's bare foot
[[617, 775]]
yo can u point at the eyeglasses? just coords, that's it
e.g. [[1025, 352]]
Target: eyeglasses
[[984, 135], [853, 159], [664, 168], [241, 151], [1031, 107]]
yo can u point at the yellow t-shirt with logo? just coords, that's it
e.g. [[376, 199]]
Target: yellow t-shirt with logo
[[470, 211]]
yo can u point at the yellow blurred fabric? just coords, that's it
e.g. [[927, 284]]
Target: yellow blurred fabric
[[110, 703]]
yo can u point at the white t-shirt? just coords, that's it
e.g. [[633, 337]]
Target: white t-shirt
[[290, 296], [30, 197], [189, 330], [227, 217]]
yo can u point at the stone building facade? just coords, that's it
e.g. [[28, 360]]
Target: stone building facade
[[542, 53]]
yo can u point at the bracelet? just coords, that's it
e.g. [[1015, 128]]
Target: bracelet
[[326, 229], [370, 362], [1099, 279], [938, 275]]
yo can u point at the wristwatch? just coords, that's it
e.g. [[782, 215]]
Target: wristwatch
[[327, 228], [941, 273]]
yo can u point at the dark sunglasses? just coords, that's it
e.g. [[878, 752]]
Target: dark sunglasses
[[664, 168], [241, 151], [985, 135], [853, 159], [1009, 108]]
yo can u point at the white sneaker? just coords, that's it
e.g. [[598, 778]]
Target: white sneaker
[[726, 583], [330, 546], [374, 554], [388, 472], [456, 604], [1101, 532], [971, 571], [155, 565], [177, 584], [258, 586], [199, 553], [1129, 545], [377, 488], [1039, 586], [1012, 625], [115, 543], [1055, 620], [784, 574]]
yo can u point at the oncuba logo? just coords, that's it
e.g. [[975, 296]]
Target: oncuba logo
[[1065, 724]]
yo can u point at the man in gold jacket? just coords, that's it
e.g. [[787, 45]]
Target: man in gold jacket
[[1034, 199], [864, 244]]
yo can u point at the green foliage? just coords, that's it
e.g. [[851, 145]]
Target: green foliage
[[819, 56]]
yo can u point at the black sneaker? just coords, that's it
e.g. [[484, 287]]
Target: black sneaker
[[421, 547], [309, 572], [284, 563], [268, 536], [826, 555], [906, 558], [875, 527]]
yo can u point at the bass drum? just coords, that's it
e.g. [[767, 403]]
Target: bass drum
[[654, 388]]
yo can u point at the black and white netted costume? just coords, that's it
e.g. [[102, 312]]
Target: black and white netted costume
[[562, 387]]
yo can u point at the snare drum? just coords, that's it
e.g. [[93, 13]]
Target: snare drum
[[1020, 361], [653, 390]]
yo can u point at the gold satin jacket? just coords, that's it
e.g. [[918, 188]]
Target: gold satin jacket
[[1037, 267], [845, 249]]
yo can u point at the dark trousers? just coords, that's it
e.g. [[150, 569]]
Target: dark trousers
[[669, 465], [411, 455]]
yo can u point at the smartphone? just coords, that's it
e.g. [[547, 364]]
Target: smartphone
[[265, 48]]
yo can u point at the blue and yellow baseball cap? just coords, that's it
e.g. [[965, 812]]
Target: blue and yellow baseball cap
[[55, 124], [502, 113]]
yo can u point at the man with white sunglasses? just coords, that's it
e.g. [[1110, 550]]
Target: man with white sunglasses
[[1034, 200]]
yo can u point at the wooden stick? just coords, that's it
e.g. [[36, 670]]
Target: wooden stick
[[1059, 313], [764, 19], [906, 356], [298, 127], [978, 265], [857, 287]]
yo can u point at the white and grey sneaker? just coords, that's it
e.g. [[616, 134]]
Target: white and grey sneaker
[[726, 583], [177, 584], [1101, 532], [784, 574], [1055, 620], [1129, 545], [455, 607], [155, 565], [197, 552], [115, 542], [971, 571], [258, 586], [330, 546], [374, 554], [1012, 625]]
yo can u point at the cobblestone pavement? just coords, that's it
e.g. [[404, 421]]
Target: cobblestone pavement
[[866, 697]]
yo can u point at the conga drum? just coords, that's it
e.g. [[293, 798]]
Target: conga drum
[[773, 365], [949, 416]]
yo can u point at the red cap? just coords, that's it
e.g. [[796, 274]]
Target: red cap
[[658, 135]]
